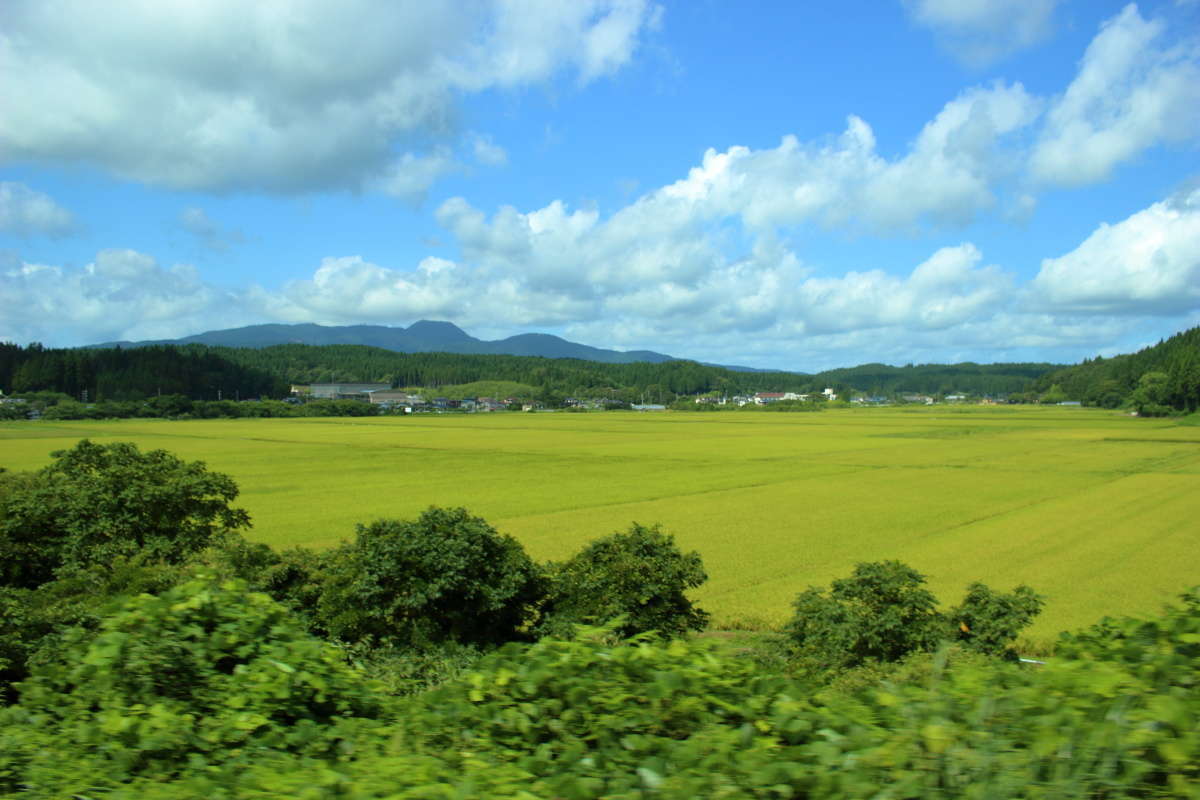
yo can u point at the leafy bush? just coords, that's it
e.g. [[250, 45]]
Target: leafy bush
[[639, 576], [203, 675], [34, 622], [294, 577], [988, 622], [444, 576], [1163, 651], [883, 612], [99, 503], [589, 717], [593, 717], [880, 613]]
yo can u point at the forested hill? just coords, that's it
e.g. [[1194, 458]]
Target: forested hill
[[115, 374], [346, 363], [202, 372], [1166, 375], [976, 379], [297, 363]]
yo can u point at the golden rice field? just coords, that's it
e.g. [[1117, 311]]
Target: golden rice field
[[1098, 511]]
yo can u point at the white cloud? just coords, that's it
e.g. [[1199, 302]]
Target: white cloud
[[1148, 263], [280, 96], [979, 32], [1132, 92], [679, 234], [945, 291], [764, 308], [122, 294], [946, 176], [488, 152], [211, 235], [410, 176], [556, 267], [28, 212]]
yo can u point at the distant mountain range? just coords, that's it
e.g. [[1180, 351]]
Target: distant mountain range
[[425, 336]]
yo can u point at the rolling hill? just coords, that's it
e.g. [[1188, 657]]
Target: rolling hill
[[425, 336]]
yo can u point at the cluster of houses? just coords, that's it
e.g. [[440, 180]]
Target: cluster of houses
[[384, 396], [396, 400], [764, 398]]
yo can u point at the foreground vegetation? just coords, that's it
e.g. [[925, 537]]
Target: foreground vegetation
[[142, 663]]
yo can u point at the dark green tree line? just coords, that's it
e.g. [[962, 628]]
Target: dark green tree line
[[1155, 380]]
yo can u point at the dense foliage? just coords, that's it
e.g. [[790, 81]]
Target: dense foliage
[[592, 718], [1154, 381], [444, 576], [882, 613], [96, 504], [639, 576], [883, 380], [117, 374], [205, 673]]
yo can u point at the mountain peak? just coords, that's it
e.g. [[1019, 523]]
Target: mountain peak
[[424, 336], [433, 330]]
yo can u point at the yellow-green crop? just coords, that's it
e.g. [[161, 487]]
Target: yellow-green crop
[[1097, 511]]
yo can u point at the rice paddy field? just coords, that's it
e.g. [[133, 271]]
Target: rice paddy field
[[1098, 511]]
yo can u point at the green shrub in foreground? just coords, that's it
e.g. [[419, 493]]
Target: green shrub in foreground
[[597, 718], [882, 613], [99, 503], [204, 675], [445, 576], [639, 576]]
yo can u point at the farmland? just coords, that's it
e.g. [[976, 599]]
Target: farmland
[[1095, 510]]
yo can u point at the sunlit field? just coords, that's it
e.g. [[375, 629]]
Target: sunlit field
[[1097, 511]]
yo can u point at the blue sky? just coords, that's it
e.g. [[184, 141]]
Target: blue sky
[[787, 185]]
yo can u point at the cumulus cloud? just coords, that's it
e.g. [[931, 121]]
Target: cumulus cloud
[[28, 212], [948, 289], [488, 152], [1149, 263], [122, 294], [763, 307], [410, 176], [1132, 92], [655, 287], [675, 233], [979, 32], [946, 177], [210, 234], [281, 97]]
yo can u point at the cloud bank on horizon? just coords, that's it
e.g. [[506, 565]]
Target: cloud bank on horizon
[[799, 189]]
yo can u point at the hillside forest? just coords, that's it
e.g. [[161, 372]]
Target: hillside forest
[[1158, 380]]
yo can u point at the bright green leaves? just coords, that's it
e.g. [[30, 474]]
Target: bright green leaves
[[97, 504], [640, 576], [882, 613], [204, 671], [444, 576], [589, 718]]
